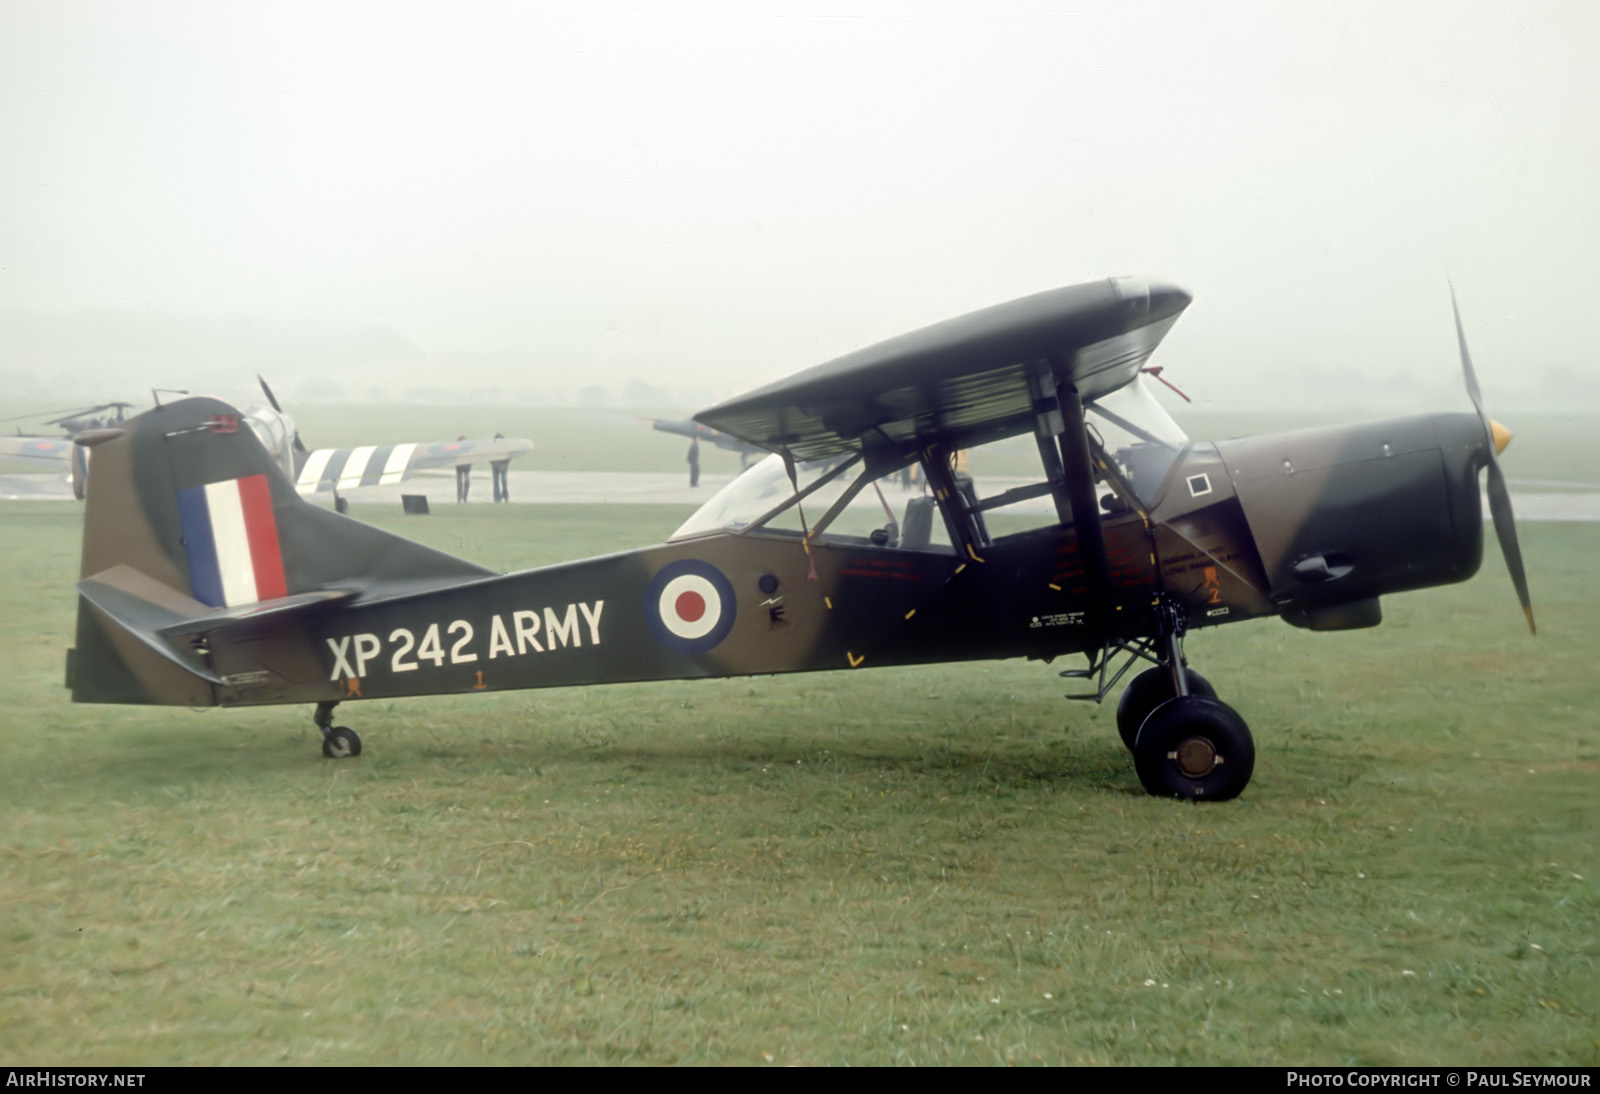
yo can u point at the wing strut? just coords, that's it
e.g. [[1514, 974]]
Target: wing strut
[[1079, 467], [1047, 426]]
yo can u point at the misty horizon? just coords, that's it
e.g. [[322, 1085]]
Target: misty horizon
[[519, 202]]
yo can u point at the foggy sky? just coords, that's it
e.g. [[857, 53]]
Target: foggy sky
[[708, 196]]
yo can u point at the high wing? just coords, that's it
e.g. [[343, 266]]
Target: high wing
[[974, 376], [385, 464]]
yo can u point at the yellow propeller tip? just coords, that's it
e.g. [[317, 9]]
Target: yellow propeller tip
[[1501, 435]]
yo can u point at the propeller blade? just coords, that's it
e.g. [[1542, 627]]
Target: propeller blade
[[1466, 362], [1505, 522], [299, 445], [1505, 528], [272, 399]]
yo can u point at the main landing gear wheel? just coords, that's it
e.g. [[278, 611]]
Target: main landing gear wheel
[[1194, 747], [1148, 690], [339, 742]]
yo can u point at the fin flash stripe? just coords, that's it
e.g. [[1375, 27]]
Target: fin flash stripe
[[231, 538]]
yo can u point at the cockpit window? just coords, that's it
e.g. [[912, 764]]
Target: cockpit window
[[838, 501], [765, 487], [1139, 436]]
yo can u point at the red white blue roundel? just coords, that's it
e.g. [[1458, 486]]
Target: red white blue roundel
[[689, 606]]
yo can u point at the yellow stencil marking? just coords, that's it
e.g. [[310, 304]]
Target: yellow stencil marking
[[853, 659]]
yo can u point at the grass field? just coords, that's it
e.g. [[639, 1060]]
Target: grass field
[[917, 866]]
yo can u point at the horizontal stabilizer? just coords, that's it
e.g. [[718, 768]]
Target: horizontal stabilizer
[[145, 610]]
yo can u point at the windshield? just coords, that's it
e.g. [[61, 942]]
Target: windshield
[[763, 488], [1139, 434], [838, 501], [273, 430]]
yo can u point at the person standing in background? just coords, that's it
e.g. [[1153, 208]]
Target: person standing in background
[[500, 471], [463, 477]]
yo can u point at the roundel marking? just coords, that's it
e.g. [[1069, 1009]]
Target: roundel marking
[[690, 606]]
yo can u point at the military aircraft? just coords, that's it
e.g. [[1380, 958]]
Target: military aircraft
[[312, 472], [207, 581], [691, 428], [58, 451]]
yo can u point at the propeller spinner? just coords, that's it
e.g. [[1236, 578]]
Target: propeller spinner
[[1505, 524]]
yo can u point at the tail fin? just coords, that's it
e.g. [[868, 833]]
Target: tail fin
[[190, 525]]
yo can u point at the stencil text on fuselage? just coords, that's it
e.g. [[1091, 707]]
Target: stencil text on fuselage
[[519, 633]]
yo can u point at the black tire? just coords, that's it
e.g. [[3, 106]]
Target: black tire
[[340, 742], [1148, 690], [1194, 748]]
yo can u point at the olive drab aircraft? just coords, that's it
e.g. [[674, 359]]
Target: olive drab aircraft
[[208, 581]]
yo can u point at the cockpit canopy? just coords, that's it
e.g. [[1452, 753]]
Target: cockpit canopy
[[275, 431], [840, 500]]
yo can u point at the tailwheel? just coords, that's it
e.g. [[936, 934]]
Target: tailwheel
[[1194, 747], [339, 742], [1148, 690]]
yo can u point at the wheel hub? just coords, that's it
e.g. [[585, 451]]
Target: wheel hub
[[1196, 757]]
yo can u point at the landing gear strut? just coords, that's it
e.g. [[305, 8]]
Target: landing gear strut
[[1186, 743], [1148, 690], [337, 741]]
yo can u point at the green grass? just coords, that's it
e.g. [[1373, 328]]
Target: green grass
[[942, 865]]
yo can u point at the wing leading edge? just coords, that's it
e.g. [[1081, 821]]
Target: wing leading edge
[[965, 377]]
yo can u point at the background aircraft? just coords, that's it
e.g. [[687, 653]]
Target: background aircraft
[[316, 471], [58, 452], [324, 469], [206, 581], [691, 428]]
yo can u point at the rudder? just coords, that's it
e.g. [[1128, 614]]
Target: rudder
[[190, 525]]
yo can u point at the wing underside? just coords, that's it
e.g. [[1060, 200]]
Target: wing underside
[[973, 376]]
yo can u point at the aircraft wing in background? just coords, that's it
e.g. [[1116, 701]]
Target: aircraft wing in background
[[688, 428], [385, 464], [51, 453], [52, 450]]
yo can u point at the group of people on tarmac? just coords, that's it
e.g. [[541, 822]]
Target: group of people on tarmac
[[498, 468]]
